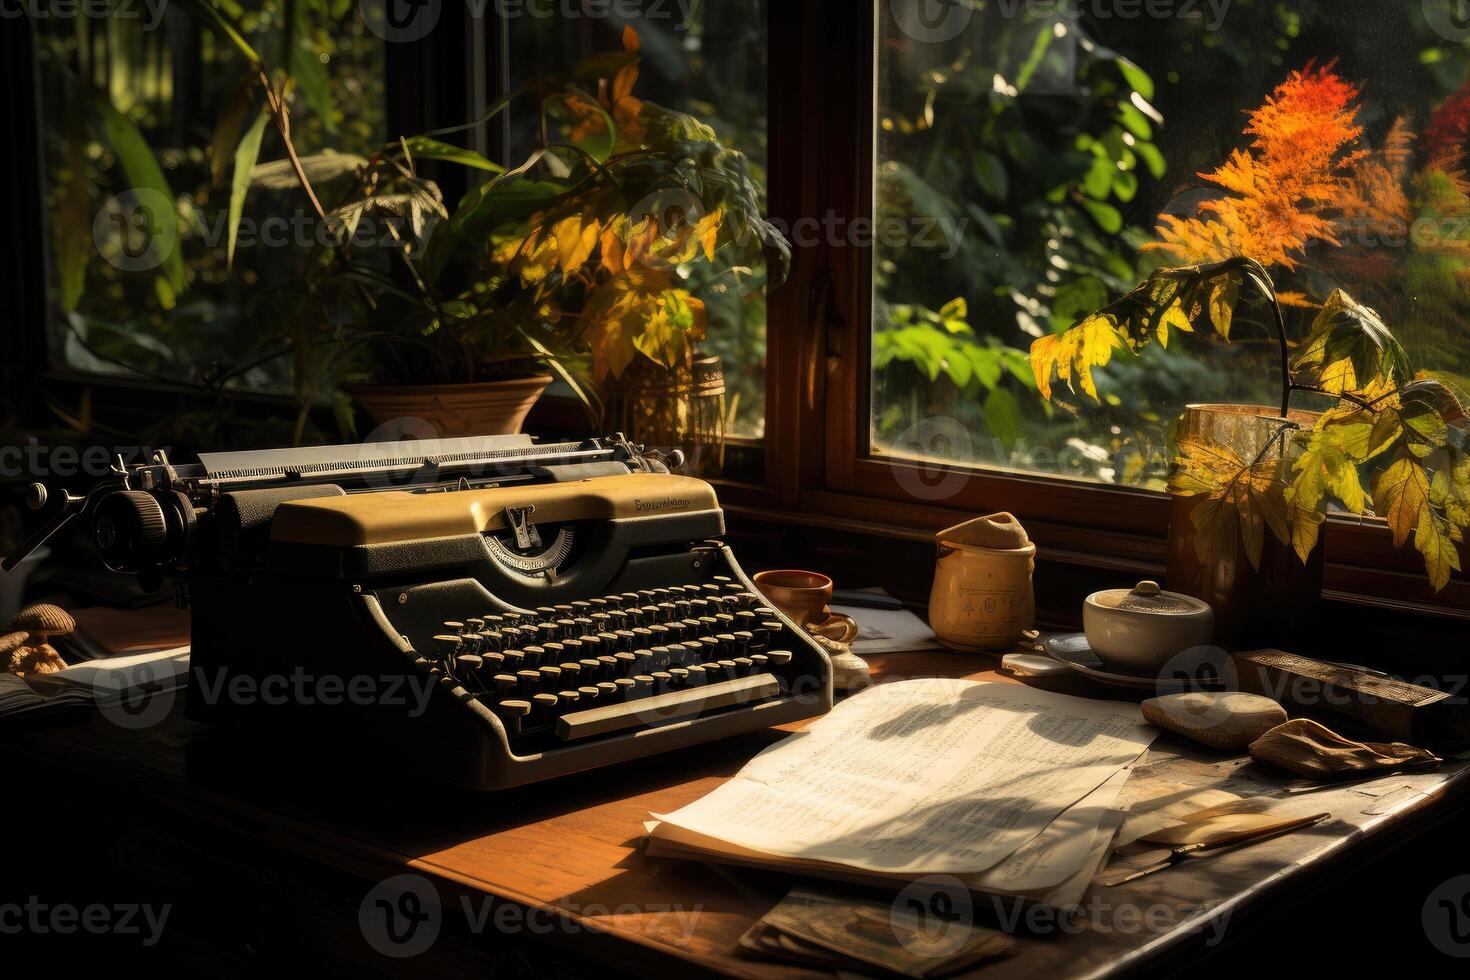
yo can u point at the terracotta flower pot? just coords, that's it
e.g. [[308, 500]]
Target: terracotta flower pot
[[487, 408], [1252, 607]]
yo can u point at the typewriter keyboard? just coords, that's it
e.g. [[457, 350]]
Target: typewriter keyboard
[[609, 665]]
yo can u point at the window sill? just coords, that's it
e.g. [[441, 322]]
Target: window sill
[[1363, 568]]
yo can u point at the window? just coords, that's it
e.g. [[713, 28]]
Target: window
[[705, 59], [130, 106], [1036, 160]]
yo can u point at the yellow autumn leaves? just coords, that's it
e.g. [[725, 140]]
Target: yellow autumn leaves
[[1169, 300], [634, 302], [1423, 491]]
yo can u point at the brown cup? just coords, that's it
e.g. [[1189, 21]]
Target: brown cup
[[803, 598]]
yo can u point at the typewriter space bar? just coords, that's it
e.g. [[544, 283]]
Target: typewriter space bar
[[663, 708]]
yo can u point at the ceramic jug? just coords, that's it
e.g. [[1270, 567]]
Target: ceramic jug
[[982, 598]]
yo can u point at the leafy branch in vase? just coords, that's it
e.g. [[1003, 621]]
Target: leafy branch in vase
[[1394, 444]]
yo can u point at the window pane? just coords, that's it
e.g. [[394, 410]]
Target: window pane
[[707, 60], [1036, 160], [126, 97]]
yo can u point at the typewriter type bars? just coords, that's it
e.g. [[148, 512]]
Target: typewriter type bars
[[607, 665]]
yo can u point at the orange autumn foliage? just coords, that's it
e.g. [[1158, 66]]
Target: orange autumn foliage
[[1301, 164]]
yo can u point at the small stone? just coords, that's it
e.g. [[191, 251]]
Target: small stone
[[1221, 720]]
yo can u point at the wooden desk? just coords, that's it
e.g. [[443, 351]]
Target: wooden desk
[[284, 854]]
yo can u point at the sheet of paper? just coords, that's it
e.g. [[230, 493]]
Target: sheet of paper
[[1054, 855], [1155, 804], [889, 631], [1069, 894], [927, 777]]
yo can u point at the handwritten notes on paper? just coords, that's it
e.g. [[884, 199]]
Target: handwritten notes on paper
[[924, 777]]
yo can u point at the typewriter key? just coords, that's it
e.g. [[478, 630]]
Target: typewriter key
[[514, 713], [546, 612], [696, 675], [570, 672], [530, 681], [544, 707], [589, 694], [642, 686], [505, 685], [742, 640], [453, 626], [550, 678], [743, 666], [607, 691], [680, 676], [474, 624], [779, 657], [535, 656], [663, 681], [608, 668]]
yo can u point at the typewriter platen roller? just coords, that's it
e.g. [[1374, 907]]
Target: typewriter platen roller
[[491, 612]]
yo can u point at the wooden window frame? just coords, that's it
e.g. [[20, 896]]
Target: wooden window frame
[[819, 466], [431, 83]]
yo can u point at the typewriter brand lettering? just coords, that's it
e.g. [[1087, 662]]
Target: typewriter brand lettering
[[661, 503]]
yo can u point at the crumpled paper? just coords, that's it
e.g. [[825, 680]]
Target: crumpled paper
[[1313, 750]]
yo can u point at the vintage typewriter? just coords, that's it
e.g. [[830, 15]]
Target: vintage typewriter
[[486, 611]]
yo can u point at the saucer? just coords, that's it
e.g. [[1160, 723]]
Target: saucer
[[1072, 650]]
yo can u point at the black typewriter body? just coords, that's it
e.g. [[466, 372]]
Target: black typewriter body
[[490, 613]]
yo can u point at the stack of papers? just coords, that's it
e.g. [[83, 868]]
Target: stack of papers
[[889, 631], [19, 702], [112, 680], [1010, 790]]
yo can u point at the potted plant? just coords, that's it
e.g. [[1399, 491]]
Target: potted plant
[[1252, 485], [1245, 474], [580, 263]]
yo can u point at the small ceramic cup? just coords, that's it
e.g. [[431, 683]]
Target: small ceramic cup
[[803, 598], [1139, 630]]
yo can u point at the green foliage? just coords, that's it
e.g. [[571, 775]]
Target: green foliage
[[1411, 435], [1021, 150]]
